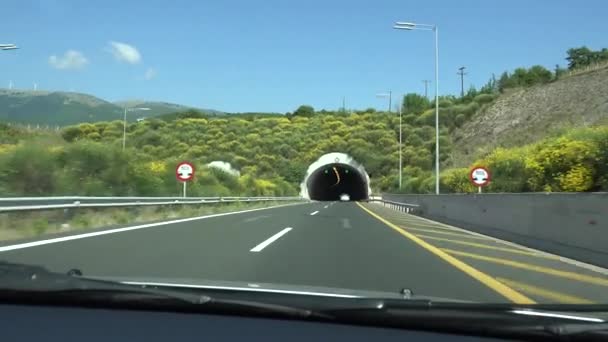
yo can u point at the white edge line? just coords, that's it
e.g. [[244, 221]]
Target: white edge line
[[556, 315], [324, 294], [572, 262], [314, 213], [270, 240], [124, 229]]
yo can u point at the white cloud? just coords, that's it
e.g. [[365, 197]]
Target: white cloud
[[150, 74], [124, 52], [71, 59]]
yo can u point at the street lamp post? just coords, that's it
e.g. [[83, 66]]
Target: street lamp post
[[400, 147], [124, 124], [425, 27]]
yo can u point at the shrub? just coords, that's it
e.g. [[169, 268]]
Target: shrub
[[508, 170], [456, 181], [578, 178], [484, 98], [28, 170], [460, 120], [409, 119], [426, 118]]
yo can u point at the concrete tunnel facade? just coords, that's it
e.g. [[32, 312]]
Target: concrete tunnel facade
[[334, 175]]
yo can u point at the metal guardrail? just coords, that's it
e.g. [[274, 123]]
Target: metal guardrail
[[399, 206], [18, 201], [51, 203]]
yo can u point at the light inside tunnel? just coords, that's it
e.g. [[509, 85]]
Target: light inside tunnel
[[333, 176]]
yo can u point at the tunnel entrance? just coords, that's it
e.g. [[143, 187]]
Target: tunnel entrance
[[331, 181]]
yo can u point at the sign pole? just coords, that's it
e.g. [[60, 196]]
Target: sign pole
[[184, 173], [479, 177]]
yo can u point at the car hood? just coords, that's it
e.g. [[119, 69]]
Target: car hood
[[241, 286]]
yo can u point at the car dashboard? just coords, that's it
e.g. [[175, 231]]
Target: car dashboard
[[41, 323]]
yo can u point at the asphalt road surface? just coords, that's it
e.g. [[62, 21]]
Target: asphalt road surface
[[331, 244]]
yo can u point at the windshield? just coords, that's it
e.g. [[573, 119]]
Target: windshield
[[364, 149]]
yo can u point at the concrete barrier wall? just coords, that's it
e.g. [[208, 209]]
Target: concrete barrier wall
[[573, 225]]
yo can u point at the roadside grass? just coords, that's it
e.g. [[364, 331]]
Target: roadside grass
[[22, 225]]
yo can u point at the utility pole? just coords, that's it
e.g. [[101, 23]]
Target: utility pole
[[343, 104], [461, 73], [426, 88]]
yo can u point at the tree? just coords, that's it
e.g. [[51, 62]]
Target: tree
[[490, 87], [519, 76], [579, 57], [304, 110], [505, 82], [414, 104], [538, 74], [470, 95]]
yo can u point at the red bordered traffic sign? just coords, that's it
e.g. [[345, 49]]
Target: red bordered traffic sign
[[480, 176], [184, 171]]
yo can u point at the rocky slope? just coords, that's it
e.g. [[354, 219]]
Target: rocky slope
[[522, 116]]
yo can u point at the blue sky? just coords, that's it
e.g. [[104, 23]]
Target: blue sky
[[271, 55]]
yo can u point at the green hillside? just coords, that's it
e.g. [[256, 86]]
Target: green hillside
[[54, 108], [272, 152], [68, 108], [157, 108]]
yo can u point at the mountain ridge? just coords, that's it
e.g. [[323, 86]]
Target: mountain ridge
[[62, 108]]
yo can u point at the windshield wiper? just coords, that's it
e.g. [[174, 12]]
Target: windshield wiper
[[498, 320], [36, 285]]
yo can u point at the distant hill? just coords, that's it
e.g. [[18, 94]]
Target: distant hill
[[159, 108], [54, 108], [67, 108]]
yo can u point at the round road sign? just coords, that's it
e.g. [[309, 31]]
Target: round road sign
[[184, 171], [479, 176]]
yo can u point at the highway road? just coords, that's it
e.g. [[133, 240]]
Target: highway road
[[331, 244]]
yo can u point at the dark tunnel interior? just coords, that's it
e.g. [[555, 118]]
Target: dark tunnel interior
[[330, 181]]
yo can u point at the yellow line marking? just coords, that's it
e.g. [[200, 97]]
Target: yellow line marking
[[565, 260], [479, 245], [425, 225], [485, 279], [540, 269], [544, 293], [463, 235]]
